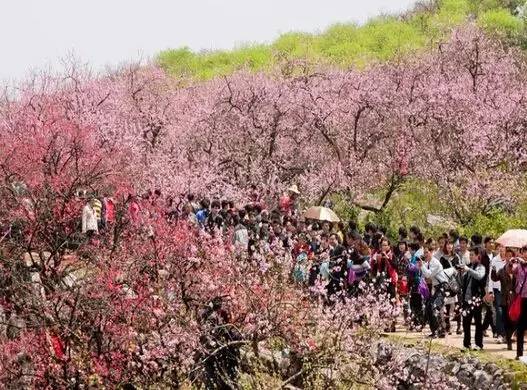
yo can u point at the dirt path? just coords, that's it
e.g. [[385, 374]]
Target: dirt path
[[490, 345]]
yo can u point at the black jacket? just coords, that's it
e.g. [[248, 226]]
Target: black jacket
[[477, 286]]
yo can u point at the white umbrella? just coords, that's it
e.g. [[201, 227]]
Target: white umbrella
[[514, 238], [321, 214]]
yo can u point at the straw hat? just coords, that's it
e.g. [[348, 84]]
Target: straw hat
[[293, 189]]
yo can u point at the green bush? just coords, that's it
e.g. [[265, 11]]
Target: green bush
[[501, 22], [415, 201], [347, 44]]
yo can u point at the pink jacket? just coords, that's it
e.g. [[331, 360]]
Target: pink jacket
[[133, 211], [110, 209]]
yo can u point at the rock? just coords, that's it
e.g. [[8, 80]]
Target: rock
[[266, 357], [498, 383], [468, 367], [465, 377], [455, 367], [330, 374], [491, 368], [509, 377], [282, 360], [384, 353], [482, 380], [497, 373]]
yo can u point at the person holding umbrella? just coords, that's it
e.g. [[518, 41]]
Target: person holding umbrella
[[322, 214]]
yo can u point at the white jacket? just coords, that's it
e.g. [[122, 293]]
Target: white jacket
[[241, 237], [434, 270], [89, 219]]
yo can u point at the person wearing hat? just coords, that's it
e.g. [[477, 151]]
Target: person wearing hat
[[287, 202]]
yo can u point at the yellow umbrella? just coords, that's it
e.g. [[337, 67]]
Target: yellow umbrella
[[321, 214]]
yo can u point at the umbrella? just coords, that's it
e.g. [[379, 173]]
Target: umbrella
[[321, 214], [515, 238]]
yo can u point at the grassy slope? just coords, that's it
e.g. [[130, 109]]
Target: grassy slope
[[347, 44]]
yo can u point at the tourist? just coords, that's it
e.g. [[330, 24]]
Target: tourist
[[520, 272], [401, 262], [505, 278], [441, 240], [473, 289], [337, 268], [453, 235], [416, 298], [203, 213], [358, 261], [449, 260], [463, 251], [489, 318], [240, 238], [369, 230], [414, 233], [383, 270], [89, 219], [432, 269], [494, 290], [403, 234], [288, 201]]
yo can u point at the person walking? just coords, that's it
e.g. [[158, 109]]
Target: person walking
[[432, 269], [449, 260], [473, 290], [505, 278], [520, 272], [337, 269], [89, 219], [385, 273], [240, 239], [489, 318], [462, 250], [416, 299], [494, 291]]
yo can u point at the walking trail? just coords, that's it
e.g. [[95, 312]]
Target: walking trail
[[490, 344]]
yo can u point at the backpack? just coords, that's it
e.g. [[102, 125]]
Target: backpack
[[452, 283]]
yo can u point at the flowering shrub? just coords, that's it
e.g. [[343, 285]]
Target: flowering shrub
[[152, 301]]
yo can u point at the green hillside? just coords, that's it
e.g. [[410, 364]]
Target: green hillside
[[348, 44]]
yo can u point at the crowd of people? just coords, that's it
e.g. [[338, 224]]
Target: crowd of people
[[447, 283]]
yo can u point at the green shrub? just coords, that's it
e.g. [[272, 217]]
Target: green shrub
[[347, 44], [501, 22], [415, 201]]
